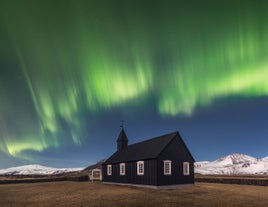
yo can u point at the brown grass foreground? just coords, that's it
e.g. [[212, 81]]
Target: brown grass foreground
[[96, 194]]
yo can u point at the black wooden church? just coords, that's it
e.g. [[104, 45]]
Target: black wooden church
[[161, 162]]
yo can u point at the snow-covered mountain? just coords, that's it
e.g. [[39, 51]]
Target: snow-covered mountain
[[36, 170], [232, 165], [265, 159], [229, 165]]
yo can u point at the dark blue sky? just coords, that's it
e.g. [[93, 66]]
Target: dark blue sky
[[71, 70]]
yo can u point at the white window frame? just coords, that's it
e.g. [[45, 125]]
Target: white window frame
[[186, 168], [140, 168], [167, 167], [122, 168], [109, 169]]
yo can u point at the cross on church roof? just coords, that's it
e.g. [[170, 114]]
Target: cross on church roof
[[122, 124]]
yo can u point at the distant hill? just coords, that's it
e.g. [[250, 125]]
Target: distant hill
[[36, 170], [43, 170], [235, 164]]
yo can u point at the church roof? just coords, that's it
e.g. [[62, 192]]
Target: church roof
[[148, 149], [122, 136]]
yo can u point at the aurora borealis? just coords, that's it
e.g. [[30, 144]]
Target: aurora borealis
[[71, 70]]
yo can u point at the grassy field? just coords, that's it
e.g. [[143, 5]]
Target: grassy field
[[96, 194]]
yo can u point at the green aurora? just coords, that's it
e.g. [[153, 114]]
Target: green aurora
[[60, 59]]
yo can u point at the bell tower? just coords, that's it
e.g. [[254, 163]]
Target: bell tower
[[122, 140]]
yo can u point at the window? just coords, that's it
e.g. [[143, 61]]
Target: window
[[122, 169], [140, 167], [167, 167], [109, 169], [186, 168]]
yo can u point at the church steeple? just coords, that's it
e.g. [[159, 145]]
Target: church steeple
[[122, 140]]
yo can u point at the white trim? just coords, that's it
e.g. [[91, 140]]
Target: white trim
[[140, 168], [122, 169], [109, 169], [93, 176], [186, 168], [167, 167], [161, 187]]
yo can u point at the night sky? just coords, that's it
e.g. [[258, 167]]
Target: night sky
[[70, 71]]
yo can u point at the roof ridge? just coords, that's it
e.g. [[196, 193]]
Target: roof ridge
[[148, 140], [146, 149]]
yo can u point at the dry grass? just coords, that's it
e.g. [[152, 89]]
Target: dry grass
[[255, 177], [97, 194]]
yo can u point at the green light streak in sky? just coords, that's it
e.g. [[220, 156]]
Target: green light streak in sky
[[90, 56], [112, 87]]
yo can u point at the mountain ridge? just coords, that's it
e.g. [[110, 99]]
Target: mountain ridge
[[35, 169], [234, 164]]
